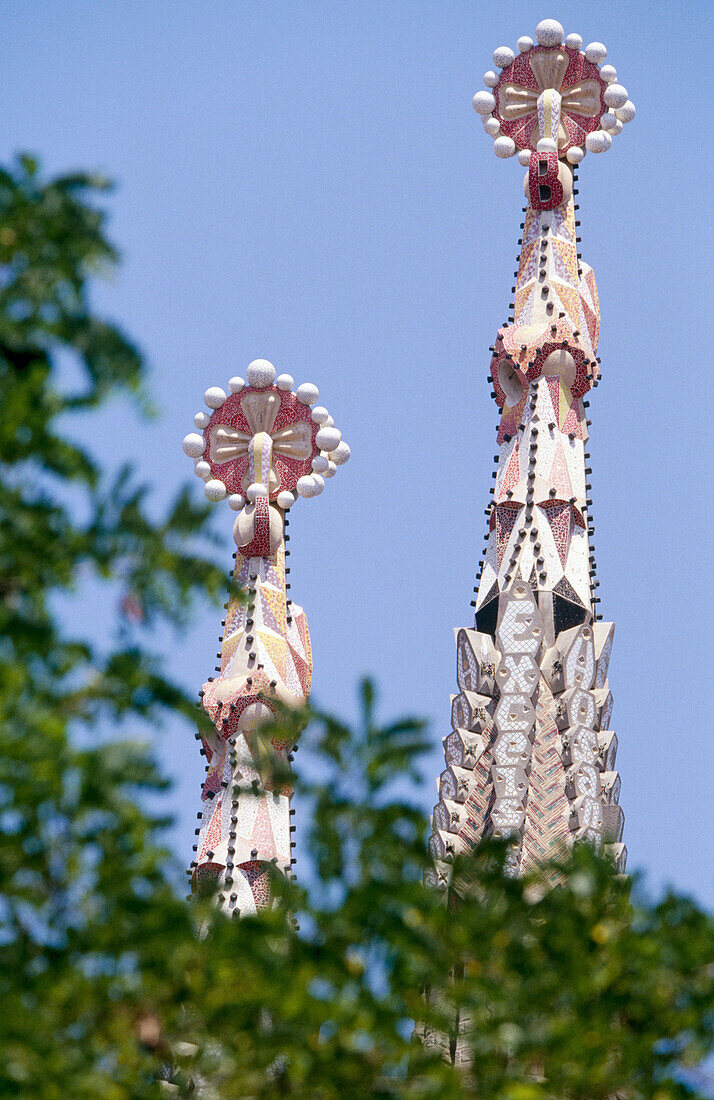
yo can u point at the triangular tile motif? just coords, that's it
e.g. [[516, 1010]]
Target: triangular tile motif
[[513, 474], [567, 259], [565, 589], [261, 836], [506, 516], [560, 269], [559, 515], [529, 262], [559, 474]]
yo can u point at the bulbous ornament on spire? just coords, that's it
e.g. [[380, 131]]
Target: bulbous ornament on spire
[[553, 97], [530, 755], [261, 445]]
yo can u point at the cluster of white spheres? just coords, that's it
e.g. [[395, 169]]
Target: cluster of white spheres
[[549, 33]]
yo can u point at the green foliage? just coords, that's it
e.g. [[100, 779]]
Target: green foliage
[[111, 985]]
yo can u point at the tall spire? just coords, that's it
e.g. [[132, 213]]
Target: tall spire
[[261, 446], [531, 755]]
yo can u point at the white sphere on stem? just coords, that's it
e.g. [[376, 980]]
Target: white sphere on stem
[[575, 154], [257, 489], [524, 157], [609, 122], [319, 482], [341, 453], [308, 487], [320, 464], [284, 381], [286, 499], [331, 469], [202, 469], [574, 41], [202, 420], [490, 79], [547, 145], [215, 490], [236, 384], [609, 73], [598, 141], [492, 126], [596, 53], [236, 501], [327, 439], [484, 103], [307, 393], [319, 414], [214, 397], [504, 146], [549, 32], [615, 95], [260, 374], [194, 445], [627, 112], [503, 56], [524, 44]]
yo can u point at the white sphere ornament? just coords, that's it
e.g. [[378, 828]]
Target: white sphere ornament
[[547, 145], [331, 469], [609, 122], [524, 157], [319, 414], [236, 384], [327, 439], [549, 32], [627, 112], [202, 420], [202, 469], [308, 487], [236, 501], [260, 374], [214, 397], [319, 482], [490, 79], [503, 56], [504, 147], [524, 44], [284, 381], [492, 126], [193, 445], [215, 490], [615, 95], [598, 141], [286, 499], [596, 53], [575, 154], [617, 128], [340, 454], [484, 103], [574, 41], [320, 464], [307, 393], [609, 73], [257, 489]]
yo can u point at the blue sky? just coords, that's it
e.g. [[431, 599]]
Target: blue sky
[[307, 182]]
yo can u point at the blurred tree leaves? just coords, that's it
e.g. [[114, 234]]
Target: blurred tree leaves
[[111, 986]]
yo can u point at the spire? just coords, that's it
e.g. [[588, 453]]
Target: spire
[[531, 755], [261, 446]]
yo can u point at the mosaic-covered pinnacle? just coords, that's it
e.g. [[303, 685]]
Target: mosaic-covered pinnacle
[[553, 96], [261, 423]]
